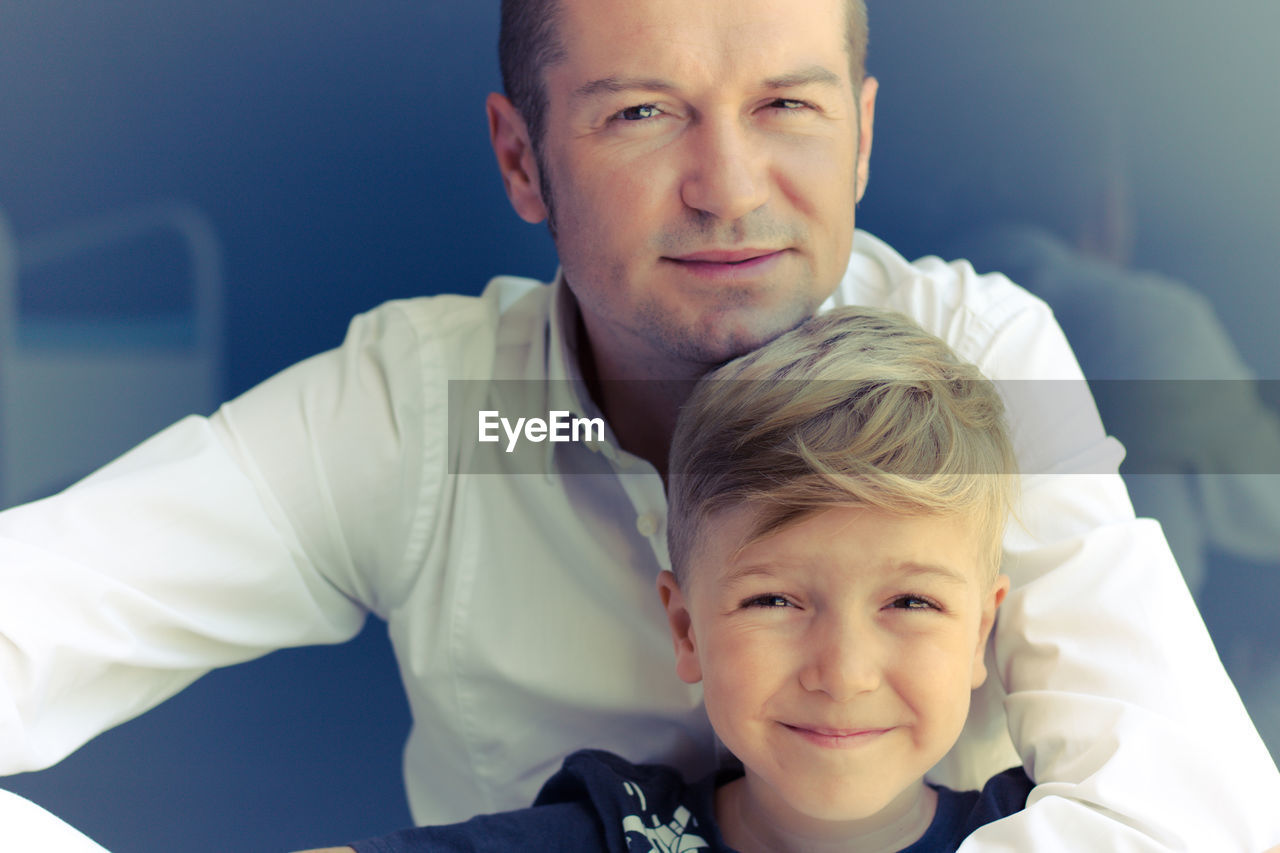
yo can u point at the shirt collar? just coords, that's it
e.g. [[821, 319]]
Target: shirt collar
[[566, 389], [564, 362]]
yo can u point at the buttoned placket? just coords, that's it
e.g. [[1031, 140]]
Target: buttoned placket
[[640, 480], [643, 486]]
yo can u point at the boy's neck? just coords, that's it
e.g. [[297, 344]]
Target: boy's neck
[[750, 825]]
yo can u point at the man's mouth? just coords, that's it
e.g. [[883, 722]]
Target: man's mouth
[[730, 262], [725, 256]]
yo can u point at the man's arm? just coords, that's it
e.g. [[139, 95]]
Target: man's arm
[[214, 542], [1117, 701], [26, 826]]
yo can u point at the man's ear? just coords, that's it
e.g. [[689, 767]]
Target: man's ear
[[999, 588], [687, 665], [866, 124], [509, 137]]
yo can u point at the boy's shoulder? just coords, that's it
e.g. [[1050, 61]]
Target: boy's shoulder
[[596, 801], [649, 807], [960, 813], [640, 807], [1004, 794]]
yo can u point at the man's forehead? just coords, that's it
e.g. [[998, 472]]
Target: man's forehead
[[683, 43], [615, 83]]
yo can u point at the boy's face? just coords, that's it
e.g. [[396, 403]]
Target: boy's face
[[837, 656]]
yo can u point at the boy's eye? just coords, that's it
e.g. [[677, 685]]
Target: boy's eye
[[788, 104], [640, 112], [914, 602], [770, 600]]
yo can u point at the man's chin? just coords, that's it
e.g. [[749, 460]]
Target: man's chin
[[718, 346], [709, 336]]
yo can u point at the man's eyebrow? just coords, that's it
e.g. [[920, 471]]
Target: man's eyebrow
[[814, 74], [613, 84]]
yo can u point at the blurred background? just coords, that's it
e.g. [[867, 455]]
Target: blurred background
[[196, 195]]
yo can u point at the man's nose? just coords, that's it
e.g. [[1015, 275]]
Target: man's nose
[[727, 176], [844, 658]]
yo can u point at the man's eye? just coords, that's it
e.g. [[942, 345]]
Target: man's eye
[[767, 601], [638, 113], [788, 104]]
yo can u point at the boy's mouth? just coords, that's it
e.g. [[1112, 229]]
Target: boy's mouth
[[837, 737]]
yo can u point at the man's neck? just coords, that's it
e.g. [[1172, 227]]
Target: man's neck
[[640, 398]]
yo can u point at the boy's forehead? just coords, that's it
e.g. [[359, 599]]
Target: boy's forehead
[[849, 537]]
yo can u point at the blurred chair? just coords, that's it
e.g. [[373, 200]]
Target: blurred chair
[[90, 373]]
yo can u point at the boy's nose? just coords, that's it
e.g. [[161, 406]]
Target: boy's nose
[[843, 660], [727, 174]]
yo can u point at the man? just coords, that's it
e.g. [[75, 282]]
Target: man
[[699, 166]]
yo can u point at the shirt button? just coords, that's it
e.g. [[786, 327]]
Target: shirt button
[[646, 525]]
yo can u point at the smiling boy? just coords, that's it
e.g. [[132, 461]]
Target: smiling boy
[[837, 657], [838, 499]]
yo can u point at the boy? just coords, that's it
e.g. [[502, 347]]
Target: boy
[[837, 503]]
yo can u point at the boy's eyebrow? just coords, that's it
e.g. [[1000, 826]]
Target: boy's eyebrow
[[813, 75], [907, 569], [945, 573], [738, 572]]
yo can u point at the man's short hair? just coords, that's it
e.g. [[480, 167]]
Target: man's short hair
[[856, 407], [529, 41]]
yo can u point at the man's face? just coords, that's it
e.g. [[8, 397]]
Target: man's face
[[837, 656], [703, 161]]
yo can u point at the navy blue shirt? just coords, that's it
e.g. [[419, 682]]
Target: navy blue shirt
[[599, 801]]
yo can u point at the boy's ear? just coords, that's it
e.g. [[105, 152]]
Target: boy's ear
[[999, 588], [509, 136], [687, 665]]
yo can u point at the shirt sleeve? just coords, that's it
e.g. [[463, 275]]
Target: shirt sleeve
[[214, 542], [1205, 416], [1116, 700], [571, 827], [26, 826], [586, 806]]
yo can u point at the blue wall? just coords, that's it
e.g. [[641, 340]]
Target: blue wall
[[340, 150]]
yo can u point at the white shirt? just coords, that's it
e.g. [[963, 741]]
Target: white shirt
[[522, 605], [1183, 468], [26, 826]]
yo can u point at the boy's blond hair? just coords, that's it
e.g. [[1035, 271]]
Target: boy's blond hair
[[858, 406]]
